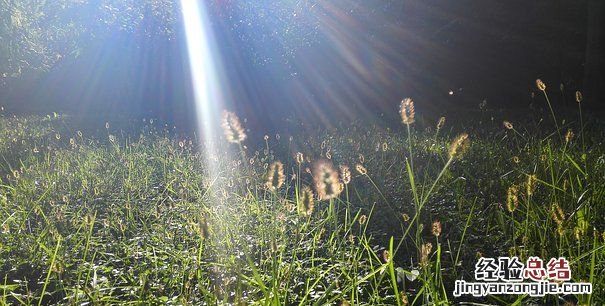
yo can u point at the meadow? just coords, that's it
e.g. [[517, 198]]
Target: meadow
[[360, 214]]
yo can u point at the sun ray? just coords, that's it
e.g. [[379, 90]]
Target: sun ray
[[204, 65]]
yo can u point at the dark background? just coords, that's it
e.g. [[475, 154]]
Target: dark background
[[335, 61]]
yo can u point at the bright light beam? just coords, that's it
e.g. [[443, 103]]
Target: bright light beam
[[203, 63]]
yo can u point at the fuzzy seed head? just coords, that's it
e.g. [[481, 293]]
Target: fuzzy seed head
[[234, 132], [345, 174], [530, 184], [363, 219], [275, 176], [289, 206], [557, 214], [440, 123], [406, 110], [459, 146], [569, 136], [404, 299], [299, 158], [512, 198], [578, 232], [425, 252], [578, 96], [508, 125], [541, 86], [386, 256], [325, 177], [306, 202], [436, 228], [361, 169]]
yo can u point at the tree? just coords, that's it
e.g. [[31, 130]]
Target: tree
[[31, 38], [35, 35]]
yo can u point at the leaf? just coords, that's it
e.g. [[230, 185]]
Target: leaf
[[412, 275]]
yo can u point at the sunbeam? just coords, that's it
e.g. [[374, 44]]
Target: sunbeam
[[203, 66], [302, 152]]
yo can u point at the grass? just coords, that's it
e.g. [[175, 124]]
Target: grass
[[106, 217]]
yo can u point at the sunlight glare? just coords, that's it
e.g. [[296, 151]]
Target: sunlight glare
[[203, 62]]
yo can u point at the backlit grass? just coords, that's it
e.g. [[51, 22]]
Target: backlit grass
[[106, 217]]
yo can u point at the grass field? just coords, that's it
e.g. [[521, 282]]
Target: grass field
[[356, 215]]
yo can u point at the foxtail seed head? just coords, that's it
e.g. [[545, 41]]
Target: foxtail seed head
[[436, 228], [299, 158], [406, 110], [275, 176], [569, 136], [425, 252], [440, 123], [345, 174], [579, 232], [530, 184], [507, 125], [512, 198], [459, 146], [327, 183], [404, 299], [557, 214], [361, 169], [541, 86], [386, 255], [578, 96], [232, 128], [363, 219], [306, 202]]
